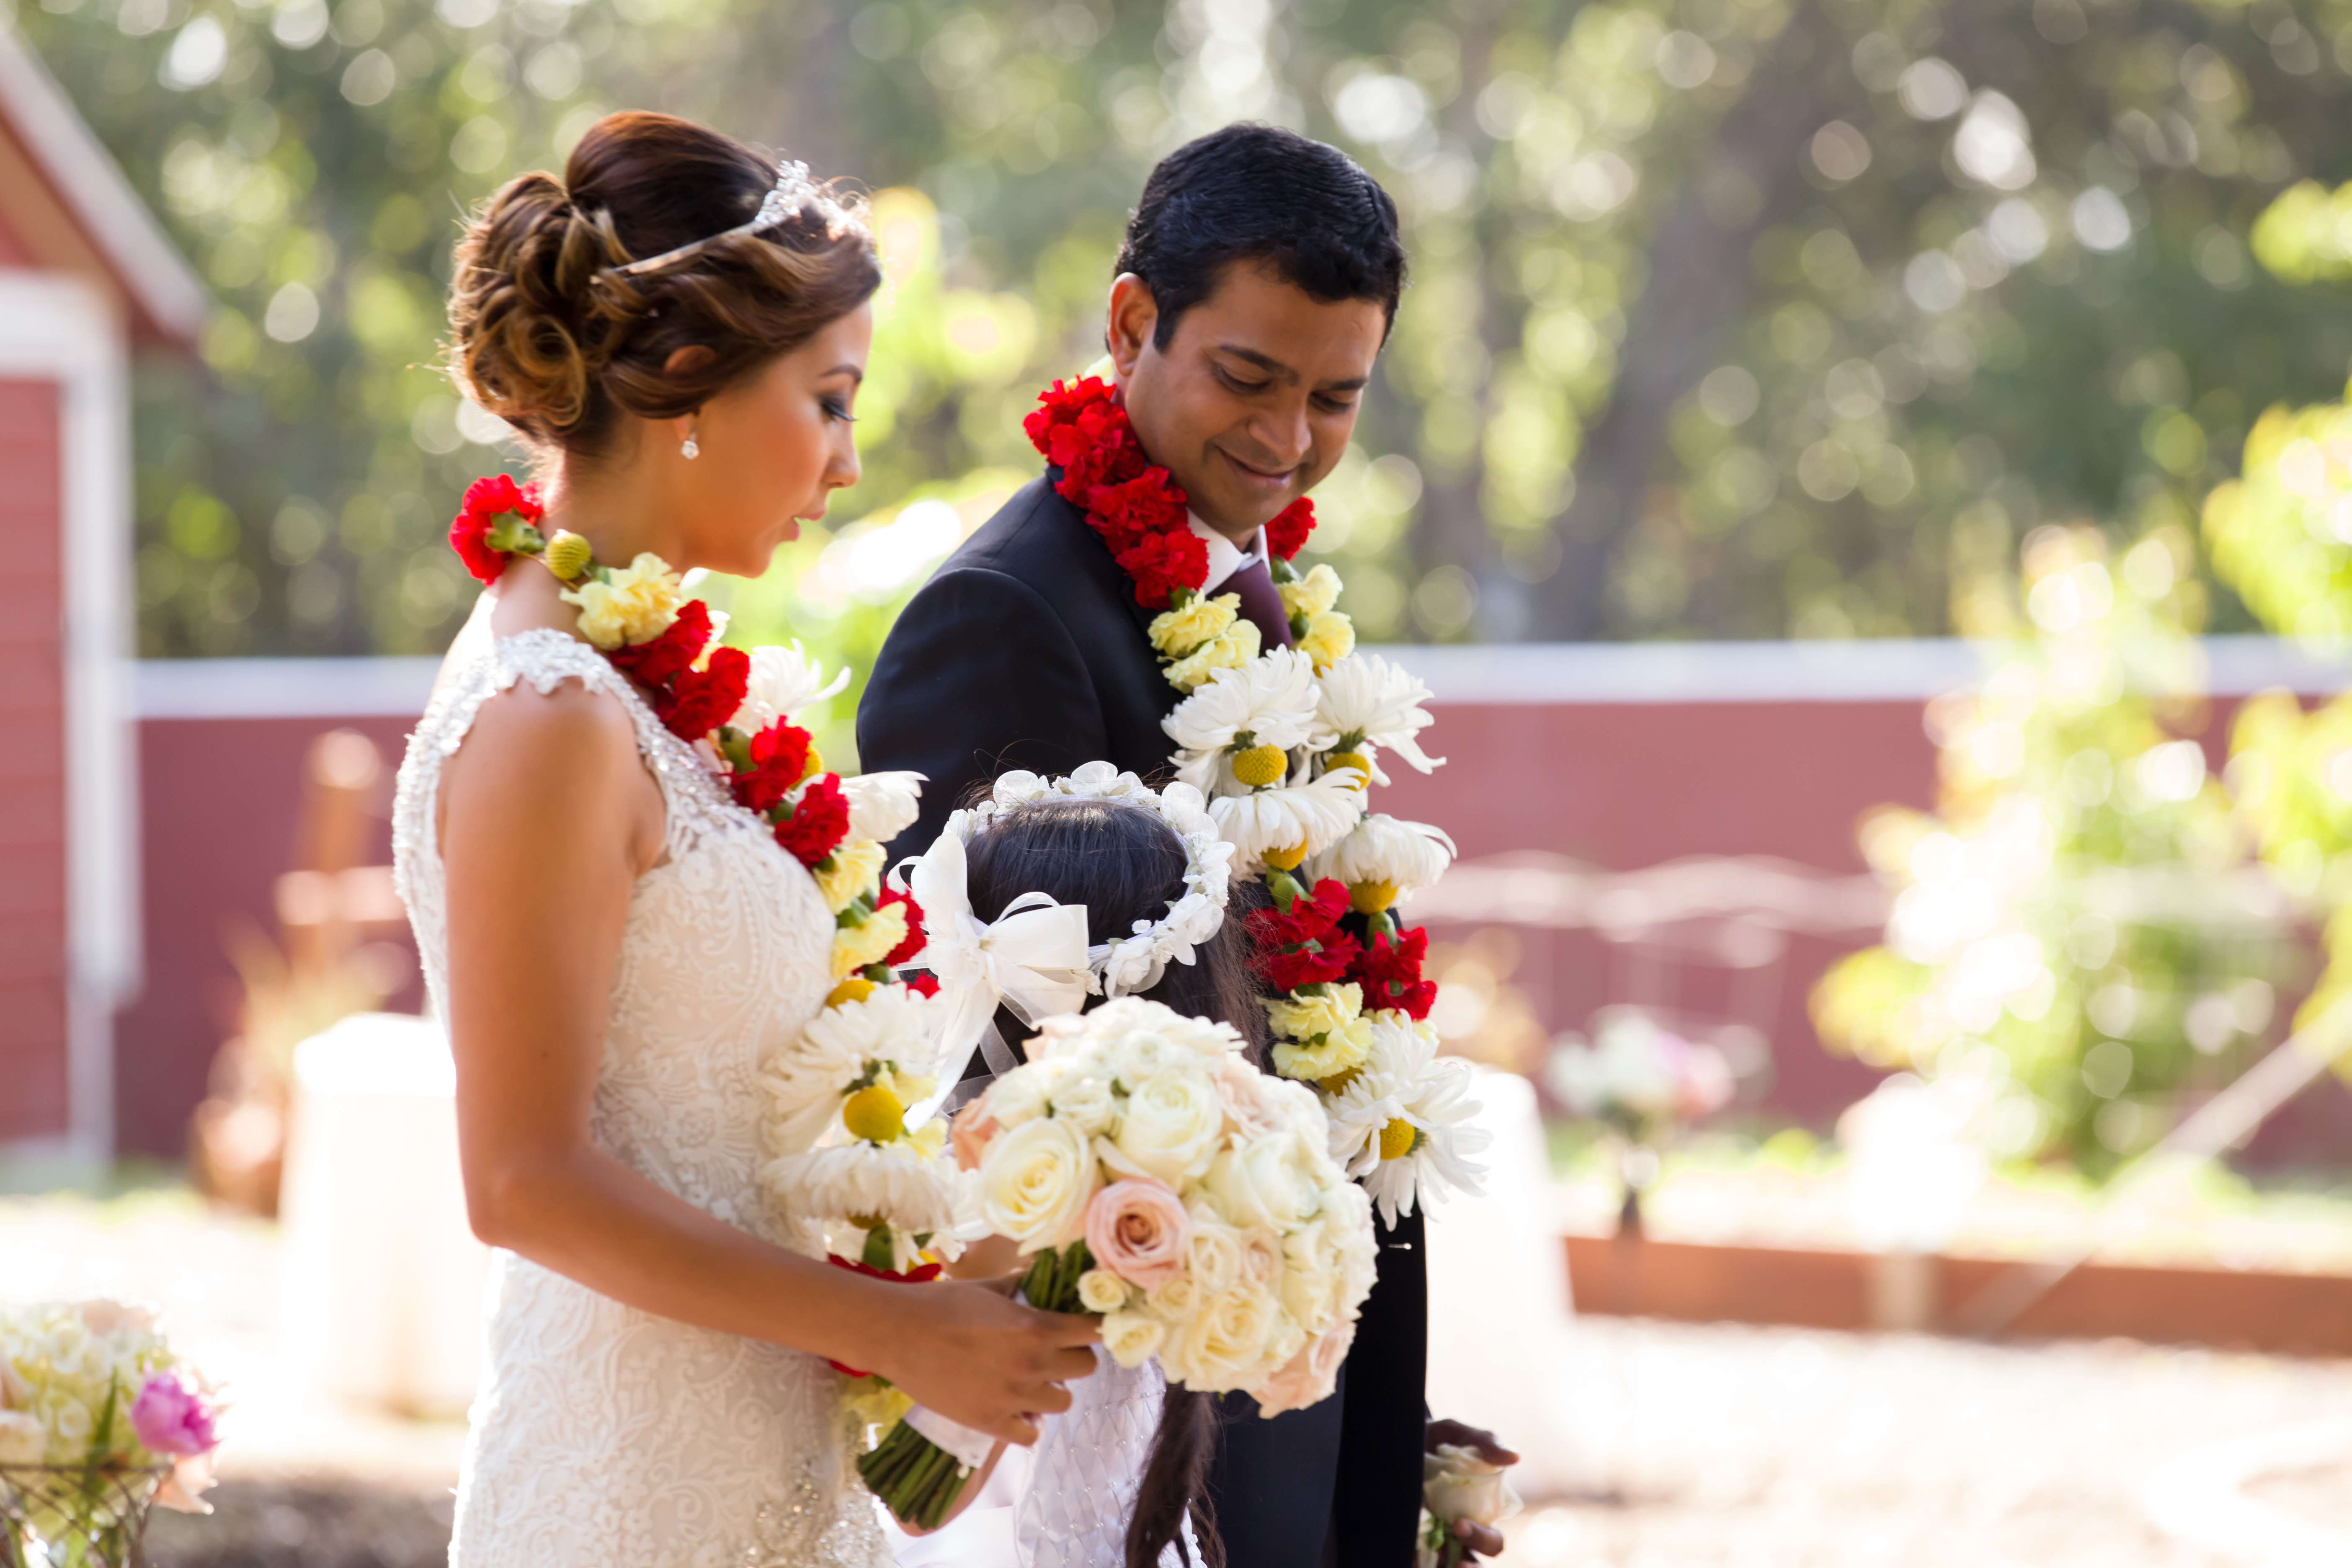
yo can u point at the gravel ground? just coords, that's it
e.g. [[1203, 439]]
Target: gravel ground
[[1725, 1447]]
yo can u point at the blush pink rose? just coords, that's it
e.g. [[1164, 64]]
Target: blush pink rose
[[173, 1418], [1242, 1094], [970, 1132], [1309, 1376], [1138, 1230]]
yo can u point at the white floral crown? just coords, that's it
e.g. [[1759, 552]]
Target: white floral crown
[[1134, 964]]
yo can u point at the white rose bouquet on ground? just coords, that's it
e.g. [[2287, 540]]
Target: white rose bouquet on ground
[[1156, 1178], [98, 1420]]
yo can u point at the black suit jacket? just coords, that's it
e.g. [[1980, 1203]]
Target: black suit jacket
[[1027, 650]]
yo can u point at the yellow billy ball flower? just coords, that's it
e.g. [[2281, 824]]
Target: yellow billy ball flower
[[1178, 632], [1371, 897], [874, 1114], [1259, 766], [567, 554], [1287, 859], [1356, 760], [857, 988], [1398, 1139]]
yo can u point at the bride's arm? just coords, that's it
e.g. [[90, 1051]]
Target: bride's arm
[[549, 819]]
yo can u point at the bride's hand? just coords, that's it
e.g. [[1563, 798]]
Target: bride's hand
[[975, 1355]]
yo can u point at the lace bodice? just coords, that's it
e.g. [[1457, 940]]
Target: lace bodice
[[604, 1434]]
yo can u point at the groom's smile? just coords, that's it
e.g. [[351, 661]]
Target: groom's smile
[[1251, 400]]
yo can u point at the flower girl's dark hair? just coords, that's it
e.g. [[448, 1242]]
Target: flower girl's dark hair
[[1125, 864]]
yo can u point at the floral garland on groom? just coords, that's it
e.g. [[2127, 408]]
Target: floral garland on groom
[[1286, 744]]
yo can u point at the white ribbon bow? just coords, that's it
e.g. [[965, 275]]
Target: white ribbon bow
[[1032, 959]]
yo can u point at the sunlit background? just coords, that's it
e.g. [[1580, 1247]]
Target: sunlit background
[[1869, 486]]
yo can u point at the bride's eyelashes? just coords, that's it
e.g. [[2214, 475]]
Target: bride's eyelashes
[[836, 408]]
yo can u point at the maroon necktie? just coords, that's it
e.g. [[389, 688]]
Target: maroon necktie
[[1261, 603]]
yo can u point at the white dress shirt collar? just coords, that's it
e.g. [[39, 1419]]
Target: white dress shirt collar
[[1225, 557]]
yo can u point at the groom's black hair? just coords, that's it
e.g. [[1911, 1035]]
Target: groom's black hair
[[1258, 193]]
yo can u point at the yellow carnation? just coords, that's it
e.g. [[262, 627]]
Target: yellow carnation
[[634, 604], [1330, 637], [854, 868], [1344, 1048], [878, 1404], [1229, 649], [1311, 595], [1303, 1018], [1178, 632], [854, 947]]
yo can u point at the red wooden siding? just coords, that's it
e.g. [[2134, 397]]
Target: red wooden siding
[[33, 1043]]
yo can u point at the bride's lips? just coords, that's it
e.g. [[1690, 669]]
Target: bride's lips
[[1260, 479]]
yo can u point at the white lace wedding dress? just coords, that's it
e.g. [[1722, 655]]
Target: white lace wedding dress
[[604, 1436]]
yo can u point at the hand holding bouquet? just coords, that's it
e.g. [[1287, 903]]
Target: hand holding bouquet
[[1156, 1178], [97, 1421]]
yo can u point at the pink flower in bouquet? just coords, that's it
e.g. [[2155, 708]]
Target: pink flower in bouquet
[[1309, 1376], [1243, 1093], [1138, 1230], [173, 1418], [969, 1133]]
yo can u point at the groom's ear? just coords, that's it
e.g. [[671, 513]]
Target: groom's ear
[[1134, 316]]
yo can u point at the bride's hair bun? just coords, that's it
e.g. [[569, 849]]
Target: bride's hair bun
[[550, 336]]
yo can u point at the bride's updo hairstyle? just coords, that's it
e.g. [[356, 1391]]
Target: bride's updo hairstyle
[[550, 336]]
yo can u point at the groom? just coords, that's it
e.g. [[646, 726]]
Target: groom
[[1259, 276]]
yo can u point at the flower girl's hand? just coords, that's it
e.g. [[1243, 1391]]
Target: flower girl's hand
[[975, 1355]]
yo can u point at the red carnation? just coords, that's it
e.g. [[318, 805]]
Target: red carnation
[[915, 936], [819, 822], [1163, 563], [1307, 919], [1390, 973], [696, 701], [1144, 505], [1290, 528], [1313, 965], [658, 660], [486, 500], [923, 985], [779, 761]]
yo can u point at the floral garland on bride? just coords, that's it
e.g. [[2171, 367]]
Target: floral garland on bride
[[1285, 743], [843, 1156]]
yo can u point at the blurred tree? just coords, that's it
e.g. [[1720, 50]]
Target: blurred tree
[[1732, 318]]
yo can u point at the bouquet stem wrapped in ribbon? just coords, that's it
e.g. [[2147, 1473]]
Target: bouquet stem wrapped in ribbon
[[1157, 1179]]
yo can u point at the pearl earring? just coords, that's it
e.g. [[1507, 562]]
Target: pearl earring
[[690, 449]]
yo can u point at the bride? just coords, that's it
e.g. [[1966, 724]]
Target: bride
[[616, 945]]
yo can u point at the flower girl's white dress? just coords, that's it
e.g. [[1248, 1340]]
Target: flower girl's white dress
[[604, 1436], [1065, 1502]]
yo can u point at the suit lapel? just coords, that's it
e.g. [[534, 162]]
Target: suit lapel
[[1101, 561]]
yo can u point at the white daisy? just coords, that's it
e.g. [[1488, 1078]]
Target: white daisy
[[1421, 1152], [1317, 814], [783, 681], [806, 1080], [1407, 855], [882, 805], [1364, 699], [891, 1183], [1271, 700]]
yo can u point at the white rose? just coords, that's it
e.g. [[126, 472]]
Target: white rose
[[1456, 1483], [1171, 1129], [1100, 1290], [1261, 1267], [1212, 1256], [1176, 1300], [1267, 1181], [1018, 1097], [1225, 1340], [1035, 1180], [22, 1439], [1143, 1057], [1084, 1101], [1131, 1337]]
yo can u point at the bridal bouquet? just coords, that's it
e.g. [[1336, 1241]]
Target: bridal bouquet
[[1156, 1178], [98, 1421]]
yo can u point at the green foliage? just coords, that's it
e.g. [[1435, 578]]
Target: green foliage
[[1731, 316], [2079, 923]]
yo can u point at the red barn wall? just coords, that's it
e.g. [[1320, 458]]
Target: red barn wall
[[33, 1039]]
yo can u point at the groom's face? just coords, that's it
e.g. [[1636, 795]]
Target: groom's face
[[1254, 398]]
